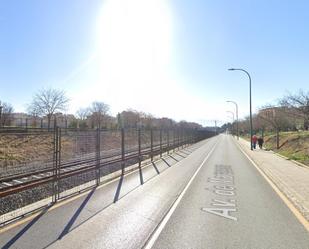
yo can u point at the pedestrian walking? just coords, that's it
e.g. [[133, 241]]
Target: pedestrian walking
[[260, 142], [254, 140]]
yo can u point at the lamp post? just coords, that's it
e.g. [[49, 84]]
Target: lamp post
[[233, 119], [250, 100], [230, 101]]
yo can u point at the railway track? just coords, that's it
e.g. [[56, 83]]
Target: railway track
[[19, 182]]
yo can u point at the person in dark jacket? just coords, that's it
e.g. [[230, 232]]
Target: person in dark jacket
[[260, 142]]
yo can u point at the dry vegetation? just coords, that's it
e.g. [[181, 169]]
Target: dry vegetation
[[21, 149], [37, 149], [293, 145]]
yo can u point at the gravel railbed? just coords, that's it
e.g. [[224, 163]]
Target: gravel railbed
[[24, 198]]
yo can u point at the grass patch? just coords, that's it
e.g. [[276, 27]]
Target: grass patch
[[293, 145]]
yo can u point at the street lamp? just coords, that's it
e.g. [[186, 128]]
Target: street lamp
[[233, 119], [250, 100], [230, 101]]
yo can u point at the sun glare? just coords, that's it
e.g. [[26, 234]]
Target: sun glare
[[133, 45]]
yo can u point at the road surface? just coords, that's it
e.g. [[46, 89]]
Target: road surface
[[207, 196]]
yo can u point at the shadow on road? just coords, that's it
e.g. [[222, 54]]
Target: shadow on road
[[166, 162], [155, 167], [185, 152], [25, 229], [189, 151], [118, 189], [177, 153], [141, 175], [173, 158], [75, 216]]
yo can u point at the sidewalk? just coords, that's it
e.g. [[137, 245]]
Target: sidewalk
[[290, 178]]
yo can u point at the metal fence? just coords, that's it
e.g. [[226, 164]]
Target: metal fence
[[37, 122], [41, 166]]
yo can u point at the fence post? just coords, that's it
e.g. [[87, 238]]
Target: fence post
[[56, 163], [139, 148], [178, 138], [174, 140], [168, 141], [98, 155], [55, 142], [122, 151], [59, 162], [182, 138], [151, 144], [160, 142], [55, 123], [187, 138]]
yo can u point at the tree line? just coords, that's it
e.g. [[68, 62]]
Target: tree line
[[49, 103], [289, 113]]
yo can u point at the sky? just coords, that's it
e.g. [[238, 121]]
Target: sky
[[165, 57]]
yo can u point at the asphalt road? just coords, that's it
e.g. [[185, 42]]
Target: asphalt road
[[142, 198], [228, 204]]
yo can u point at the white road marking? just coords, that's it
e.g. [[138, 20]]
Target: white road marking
[[229, 203], [224, 180], [223, 212], [163, 223]]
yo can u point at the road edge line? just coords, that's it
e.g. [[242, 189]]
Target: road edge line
[[283, 197], [156, 233]]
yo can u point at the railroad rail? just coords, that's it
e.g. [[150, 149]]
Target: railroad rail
[[16, 183]]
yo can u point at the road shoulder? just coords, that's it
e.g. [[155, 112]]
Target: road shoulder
[[290, 178]]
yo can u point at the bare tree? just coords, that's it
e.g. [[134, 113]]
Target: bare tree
[[83, 113], [129, 118], [48, 102], [276, 117], [166, 122], [5, 113], [99, 113], [297, 105], [146, 119]]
